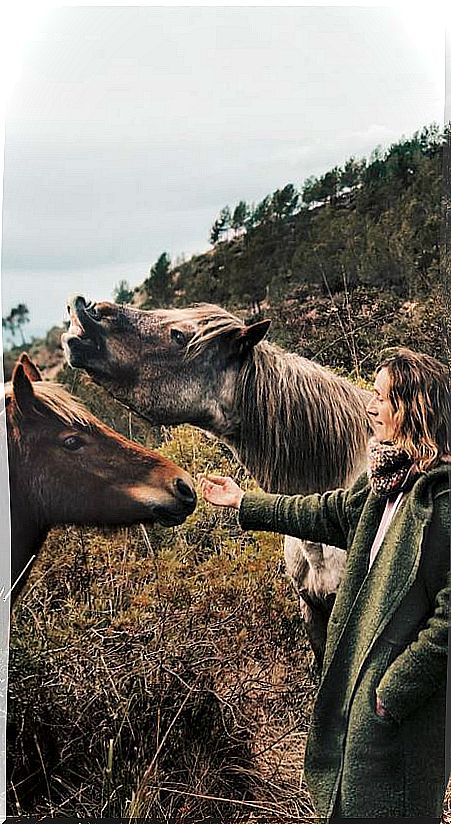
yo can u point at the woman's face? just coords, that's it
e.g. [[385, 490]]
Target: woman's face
[[380, 410]]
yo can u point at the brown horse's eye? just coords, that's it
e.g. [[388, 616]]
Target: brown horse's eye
[[178, 337], [72, 443]]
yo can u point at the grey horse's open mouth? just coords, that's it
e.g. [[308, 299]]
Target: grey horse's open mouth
[[84, 340]]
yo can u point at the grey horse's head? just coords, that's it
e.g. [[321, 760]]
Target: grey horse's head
[[170, 365]]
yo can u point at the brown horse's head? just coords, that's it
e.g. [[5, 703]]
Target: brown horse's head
[[67, 466], [172, 366]]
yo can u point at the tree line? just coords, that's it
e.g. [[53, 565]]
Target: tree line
[[372, 221], [280, 205], [397, 164]]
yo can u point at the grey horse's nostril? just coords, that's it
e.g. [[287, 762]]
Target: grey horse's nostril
[[185, 491]]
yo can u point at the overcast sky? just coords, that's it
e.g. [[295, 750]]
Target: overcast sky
[[130, 128]]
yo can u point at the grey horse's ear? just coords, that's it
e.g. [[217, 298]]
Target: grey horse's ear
[[31, 370], [251, 335], [22, 389]]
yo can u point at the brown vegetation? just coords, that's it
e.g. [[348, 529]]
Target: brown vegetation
[[160, 674]]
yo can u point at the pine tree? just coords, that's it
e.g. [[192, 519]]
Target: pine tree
[[222, 224], [240, 215], [17, 318], [284, 201], [159, 283], [122, 292], [262, 212]]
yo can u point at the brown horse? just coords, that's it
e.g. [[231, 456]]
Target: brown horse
[[66, 466], [296, 426]]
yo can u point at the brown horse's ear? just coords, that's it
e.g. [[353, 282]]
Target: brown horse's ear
[[22, 389], [31, 370], [251, 335]]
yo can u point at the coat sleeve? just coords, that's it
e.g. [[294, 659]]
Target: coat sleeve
[[422, 667], [319, 518]]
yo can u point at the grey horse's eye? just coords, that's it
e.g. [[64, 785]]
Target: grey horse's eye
[[178, 337]]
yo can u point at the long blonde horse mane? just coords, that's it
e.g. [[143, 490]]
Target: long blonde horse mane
[[214, 322], [311, 423]]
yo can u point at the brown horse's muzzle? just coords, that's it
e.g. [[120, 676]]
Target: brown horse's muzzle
[[183, 504], [165, 495]]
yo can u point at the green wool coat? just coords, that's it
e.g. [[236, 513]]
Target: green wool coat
[[388, 634]]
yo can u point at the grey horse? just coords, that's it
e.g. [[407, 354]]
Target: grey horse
[[296, 426]]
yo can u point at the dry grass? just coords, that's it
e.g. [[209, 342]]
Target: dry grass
[[161, 675]]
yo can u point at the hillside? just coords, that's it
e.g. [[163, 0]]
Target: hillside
[[343, 271]]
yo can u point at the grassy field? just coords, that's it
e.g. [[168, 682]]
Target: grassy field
[[160, 673]]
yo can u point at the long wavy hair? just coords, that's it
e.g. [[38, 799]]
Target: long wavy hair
[[421, 398]]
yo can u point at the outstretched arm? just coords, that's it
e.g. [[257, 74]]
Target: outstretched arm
[[320, 518]]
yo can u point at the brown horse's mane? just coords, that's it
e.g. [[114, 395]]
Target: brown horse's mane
[[59, 402], [303, 428], [52, 398]]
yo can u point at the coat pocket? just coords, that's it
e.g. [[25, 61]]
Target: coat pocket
[[374, 747], [385, 720], [391, 650]]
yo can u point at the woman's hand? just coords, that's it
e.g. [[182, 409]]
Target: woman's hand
[[220, 491]]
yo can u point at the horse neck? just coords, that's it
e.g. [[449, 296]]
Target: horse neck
[[294, 434], [28, 534]]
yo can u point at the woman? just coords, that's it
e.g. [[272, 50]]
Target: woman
[[376, 745]]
